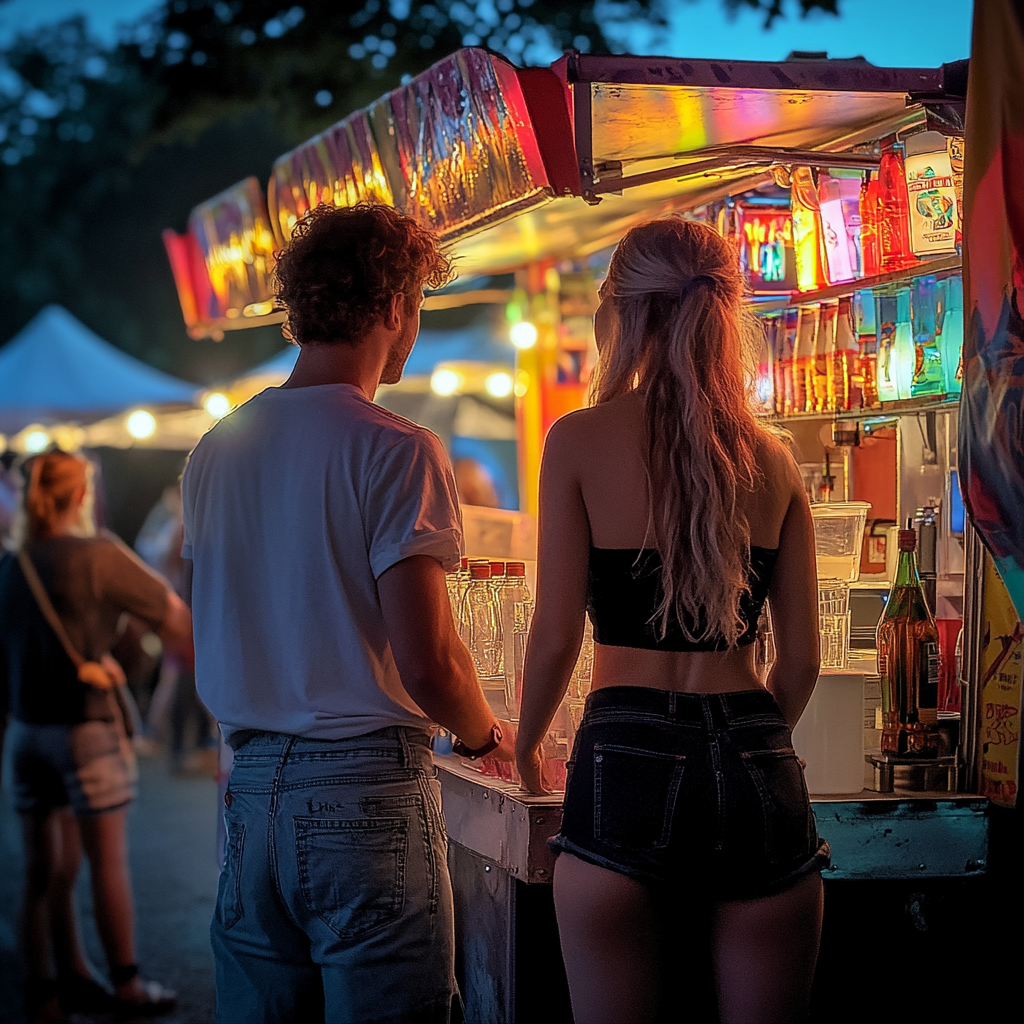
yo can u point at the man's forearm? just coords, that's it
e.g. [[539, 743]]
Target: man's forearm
[[452, 697]]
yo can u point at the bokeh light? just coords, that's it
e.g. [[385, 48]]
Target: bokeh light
[[36, 440], [140, 424], [523, 334], [445, 382], [217, 405], [498, 385]]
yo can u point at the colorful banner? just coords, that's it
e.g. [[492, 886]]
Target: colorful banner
[[991, 450], [999, 682]]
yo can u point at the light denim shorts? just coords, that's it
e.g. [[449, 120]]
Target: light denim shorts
[[87, 766]]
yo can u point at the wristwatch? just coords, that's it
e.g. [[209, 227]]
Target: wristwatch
[[460, 748]]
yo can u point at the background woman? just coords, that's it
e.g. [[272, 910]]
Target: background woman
[[669, 514], [63, 745]]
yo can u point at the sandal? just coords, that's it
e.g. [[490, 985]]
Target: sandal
[[42, 1005], [151, 1001], [79, 994]]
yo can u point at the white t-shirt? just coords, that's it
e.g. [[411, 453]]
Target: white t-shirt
[[294, 505]]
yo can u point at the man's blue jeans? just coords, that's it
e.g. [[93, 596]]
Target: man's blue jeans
[[334, 901]]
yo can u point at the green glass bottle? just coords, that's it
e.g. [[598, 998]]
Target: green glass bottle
[[908, 662]]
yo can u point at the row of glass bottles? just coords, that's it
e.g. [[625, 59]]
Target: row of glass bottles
[[849, 225], [877, 345], [493, 610]]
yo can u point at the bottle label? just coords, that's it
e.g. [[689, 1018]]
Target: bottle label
[[934, 215], [928, 697], [931, 652]]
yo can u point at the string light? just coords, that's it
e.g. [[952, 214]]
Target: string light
[[217, 405], [141, 424]]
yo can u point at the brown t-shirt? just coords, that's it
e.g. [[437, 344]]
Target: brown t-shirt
[[92, 582]]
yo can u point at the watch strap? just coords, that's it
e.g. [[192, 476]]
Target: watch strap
[[460, 748]]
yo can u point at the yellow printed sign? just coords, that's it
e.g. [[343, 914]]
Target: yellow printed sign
[[1001, 662]]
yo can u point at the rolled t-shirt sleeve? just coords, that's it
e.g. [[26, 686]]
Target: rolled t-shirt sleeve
[[412, 507]]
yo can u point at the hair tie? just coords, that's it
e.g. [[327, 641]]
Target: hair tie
[[691, 282]]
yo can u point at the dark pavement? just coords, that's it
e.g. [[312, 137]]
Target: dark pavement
[[172, 836]]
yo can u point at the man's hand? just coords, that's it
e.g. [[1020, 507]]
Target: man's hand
[[506, 749]]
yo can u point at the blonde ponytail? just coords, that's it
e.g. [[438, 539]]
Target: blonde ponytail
[[682, 336]]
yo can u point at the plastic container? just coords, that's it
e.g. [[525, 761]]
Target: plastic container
[[830, 734], [838, 533]]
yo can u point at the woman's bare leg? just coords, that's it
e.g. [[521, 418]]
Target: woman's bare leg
[[106, 845], [765, 952], [105, 838], [611, 943], [67, 943], [40, 842]]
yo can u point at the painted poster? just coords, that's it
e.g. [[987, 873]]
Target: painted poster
[[1000, 664], [991, 448]]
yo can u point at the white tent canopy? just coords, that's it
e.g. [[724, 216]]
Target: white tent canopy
[[55, 370]]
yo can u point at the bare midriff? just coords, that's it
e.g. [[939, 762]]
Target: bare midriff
[[682, 671]]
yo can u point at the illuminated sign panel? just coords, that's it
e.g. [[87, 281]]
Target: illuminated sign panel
[[222, 266]]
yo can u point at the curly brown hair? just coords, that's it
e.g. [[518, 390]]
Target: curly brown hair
[[343, 265]]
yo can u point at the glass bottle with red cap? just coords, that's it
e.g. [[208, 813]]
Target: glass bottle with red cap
[[894, 207], [908, 661]]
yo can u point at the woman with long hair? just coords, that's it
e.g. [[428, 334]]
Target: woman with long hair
[[669, 514], [66, 762]]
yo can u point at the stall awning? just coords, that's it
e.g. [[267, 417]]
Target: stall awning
[[513, 165], [56, 370]]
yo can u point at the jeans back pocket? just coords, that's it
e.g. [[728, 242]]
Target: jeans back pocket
[[229, 885], [352, 873], [635, 794]]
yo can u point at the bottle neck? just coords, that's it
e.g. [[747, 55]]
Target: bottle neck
[[906, 570]]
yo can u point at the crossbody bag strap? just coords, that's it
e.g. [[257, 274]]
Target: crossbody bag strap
[[94, 673], [46, 607]]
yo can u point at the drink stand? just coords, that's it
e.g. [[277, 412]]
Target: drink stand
[[540, 170]]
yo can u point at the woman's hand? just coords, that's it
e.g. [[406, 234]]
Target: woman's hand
[[113, 669], [530, 764]]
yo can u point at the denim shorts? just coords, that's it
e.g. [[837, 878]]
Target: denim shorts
[[702, 791], [87, 766], [334, 902]]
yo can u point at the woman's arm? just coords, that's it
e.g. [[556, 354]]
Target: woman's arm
[[794, 603], [563, 552]]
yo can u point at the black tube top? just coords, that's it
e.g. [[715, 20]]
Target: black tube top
[[624, 588]]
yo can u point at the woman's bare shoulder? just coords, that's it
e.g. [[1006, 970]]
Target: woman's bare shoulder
[[775, 460]]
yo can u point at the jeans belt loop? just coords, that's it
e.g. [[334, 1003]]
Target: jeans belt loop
[[723, 703], [403, 737], [672, 704]]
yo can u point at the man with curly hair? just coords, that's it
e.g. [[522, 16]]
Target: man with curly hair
[[318, 529]]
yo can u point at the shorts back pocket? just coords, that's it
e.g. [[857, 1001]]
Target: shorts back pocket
[[635, 794], [789, 829], [352, 873]]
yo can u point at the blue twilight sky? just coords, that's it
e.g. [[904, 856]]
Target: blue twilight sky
[[887, 32]]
